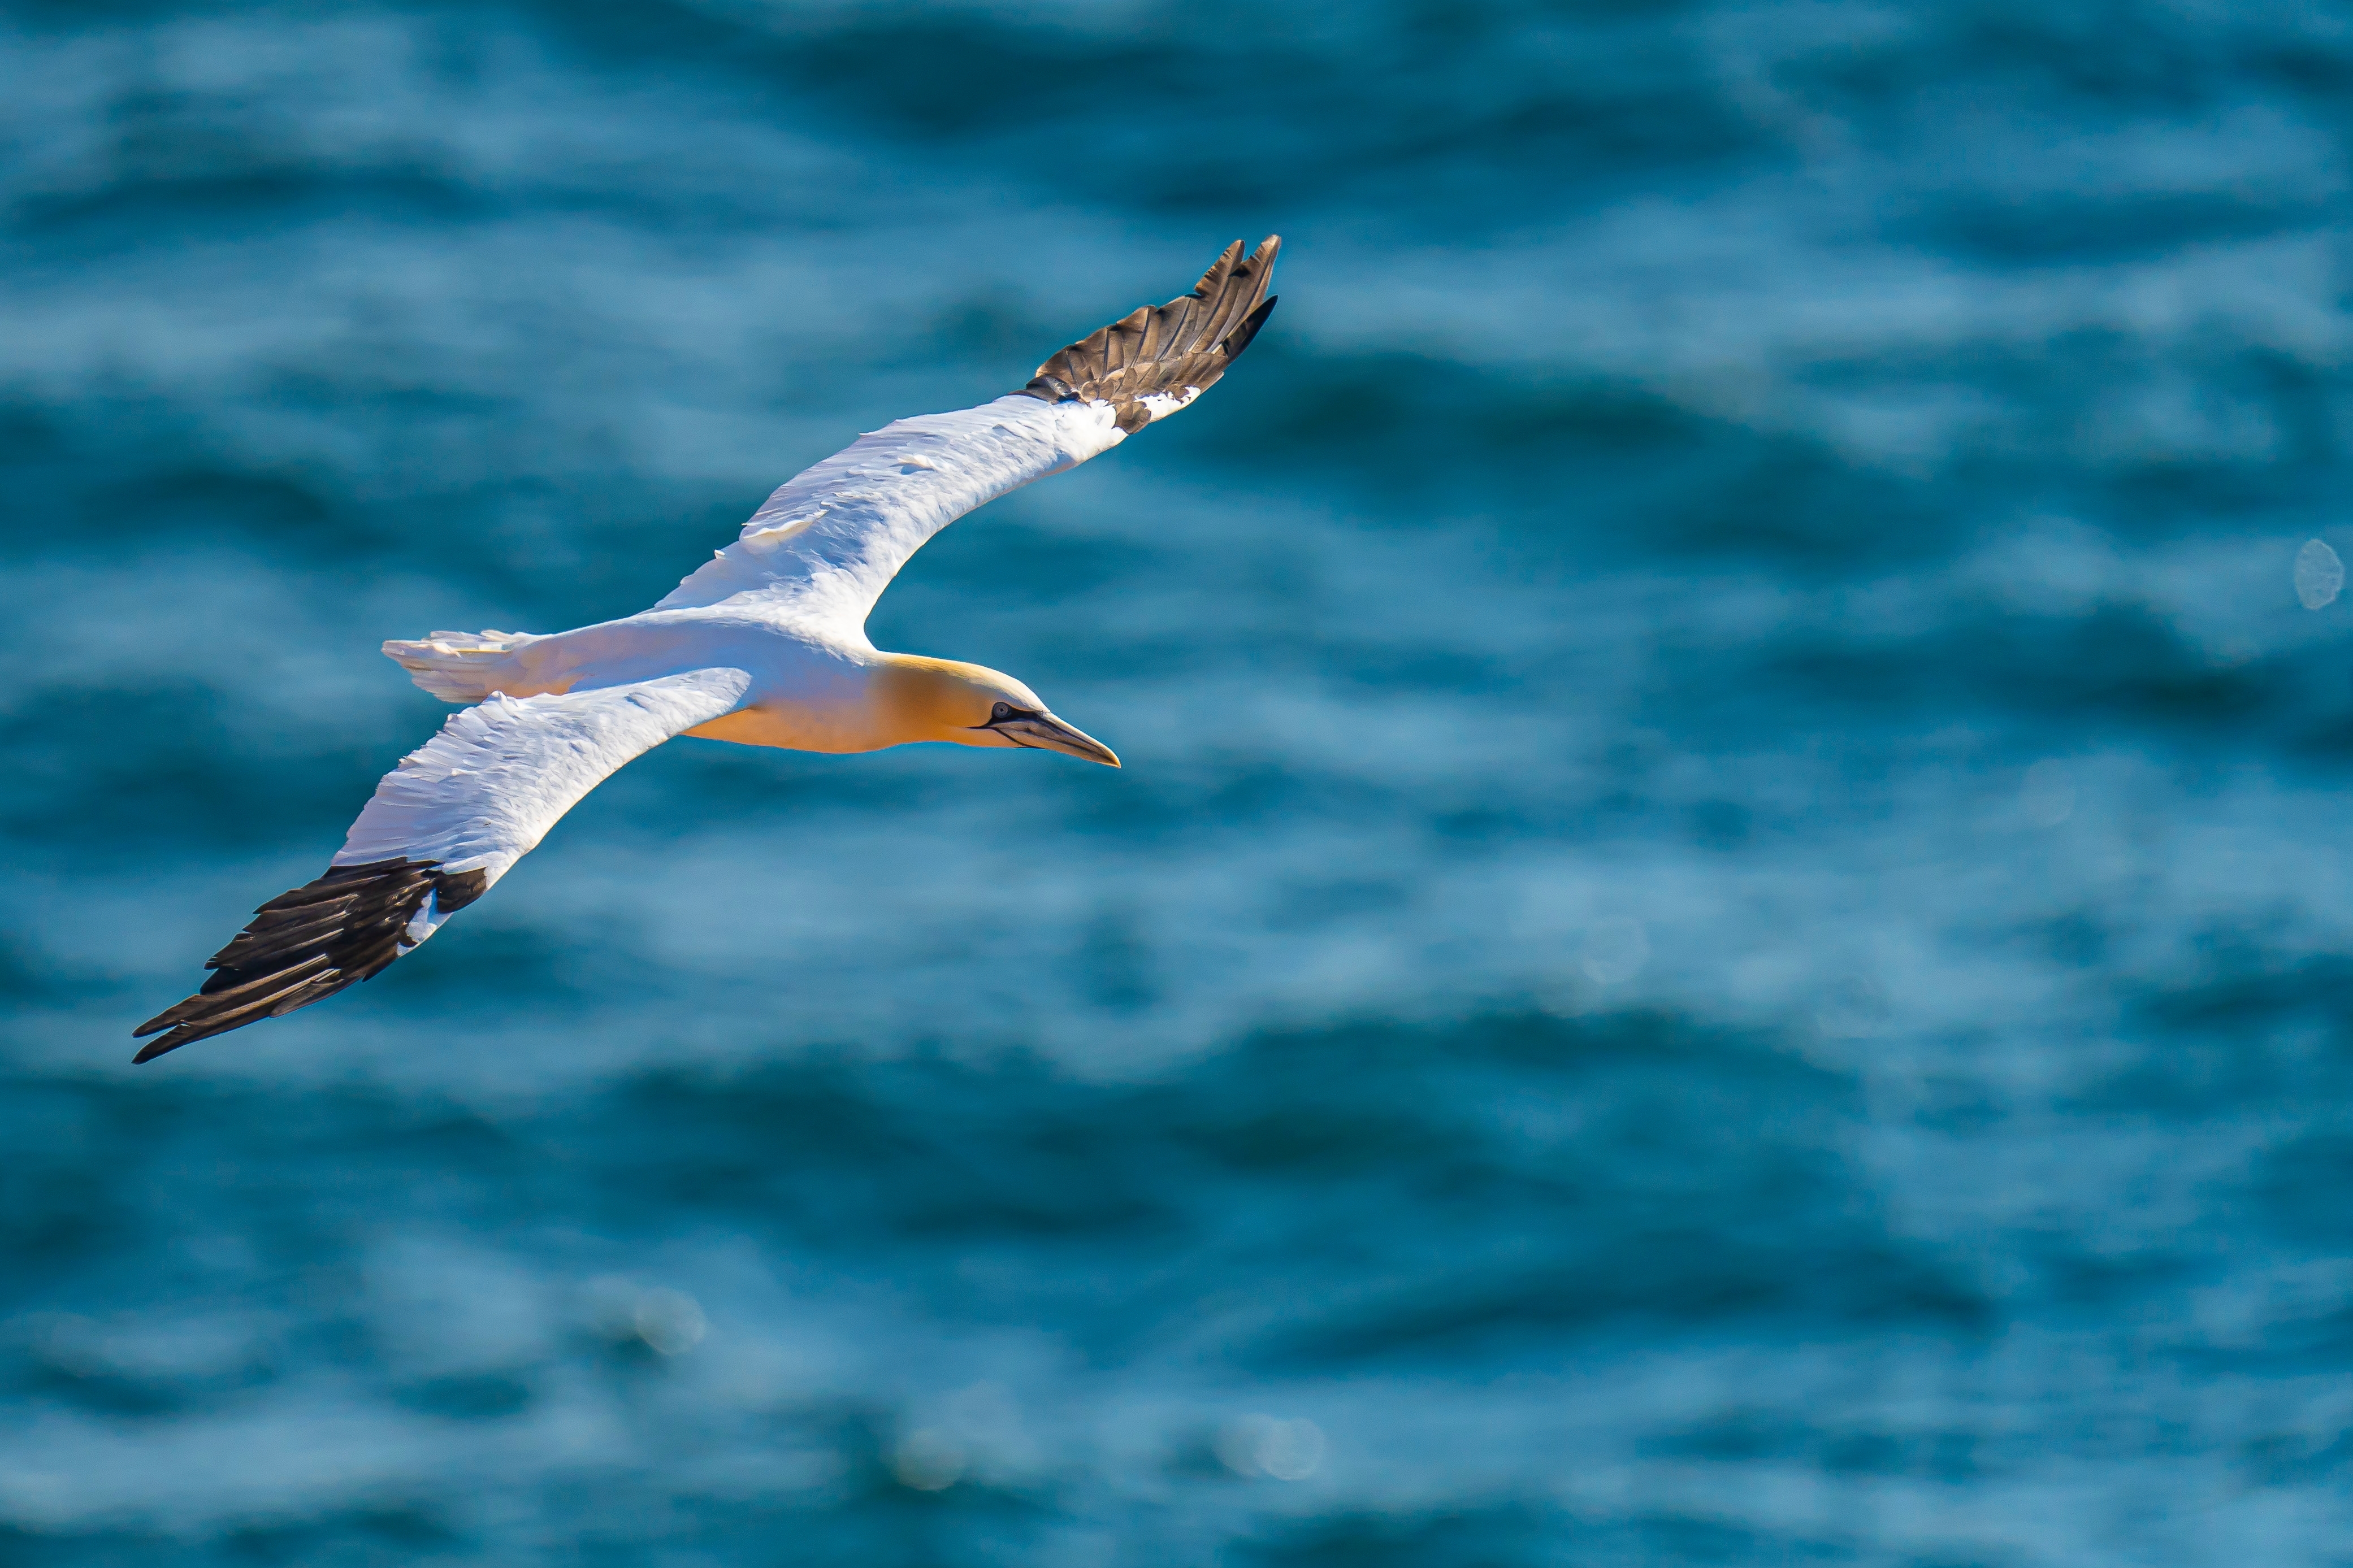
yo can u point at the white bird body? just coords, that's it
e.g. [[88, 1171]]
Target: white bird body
[[764, 645], [787, 602], [808, 678]]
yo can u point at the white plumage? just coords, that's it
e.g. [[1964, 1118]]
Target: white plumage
[[480, 795], [825, 545]]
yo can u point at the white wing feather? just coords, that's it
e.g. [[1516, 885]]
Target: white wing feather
[[830, 539], [481, 793]]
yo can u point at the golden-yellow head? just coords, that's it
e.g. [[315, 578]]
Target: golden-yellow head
[[968, 705]]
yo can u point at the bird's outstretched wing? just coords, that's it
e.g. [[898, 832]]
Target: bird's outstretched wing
[[441, 827], [829, 540]]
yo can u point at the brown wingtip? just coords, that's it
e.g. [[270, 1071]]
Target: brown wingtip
[[1187, 342]]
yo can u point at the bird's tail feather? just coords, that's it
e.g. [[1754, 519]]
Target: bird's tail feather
[[467, 666]]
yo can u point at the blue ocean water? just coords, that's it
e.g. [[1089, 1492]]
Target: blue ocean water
[[1725, 935]]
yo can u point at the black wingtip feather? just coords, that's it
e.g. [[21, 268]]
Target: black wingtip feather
[[306, 944], [1240, 338]]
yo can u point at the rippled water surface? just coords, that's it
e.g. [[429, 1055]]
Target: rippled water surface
[[1725, 935]]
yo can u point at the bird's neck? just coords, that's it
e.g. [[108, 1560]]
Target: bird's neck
[[911, 698]]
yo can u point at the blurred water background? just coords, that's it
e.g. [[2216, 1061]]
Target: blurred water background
[[1725, 938]]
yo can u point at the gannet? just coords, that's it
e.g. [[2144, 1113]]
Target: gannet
[[764, 645]]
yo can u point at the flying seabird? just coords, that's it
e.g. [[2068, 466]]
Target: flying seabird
[[765, 646]]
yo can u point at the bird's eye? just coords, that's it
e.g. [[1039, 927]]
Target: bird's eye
[[1001, 712]]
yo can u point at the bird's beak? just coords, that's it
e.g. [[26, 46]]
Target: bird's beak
[[1043, 730]]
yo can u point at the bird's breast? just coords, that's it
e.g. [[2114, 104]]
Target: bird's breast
[[794, 727]]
